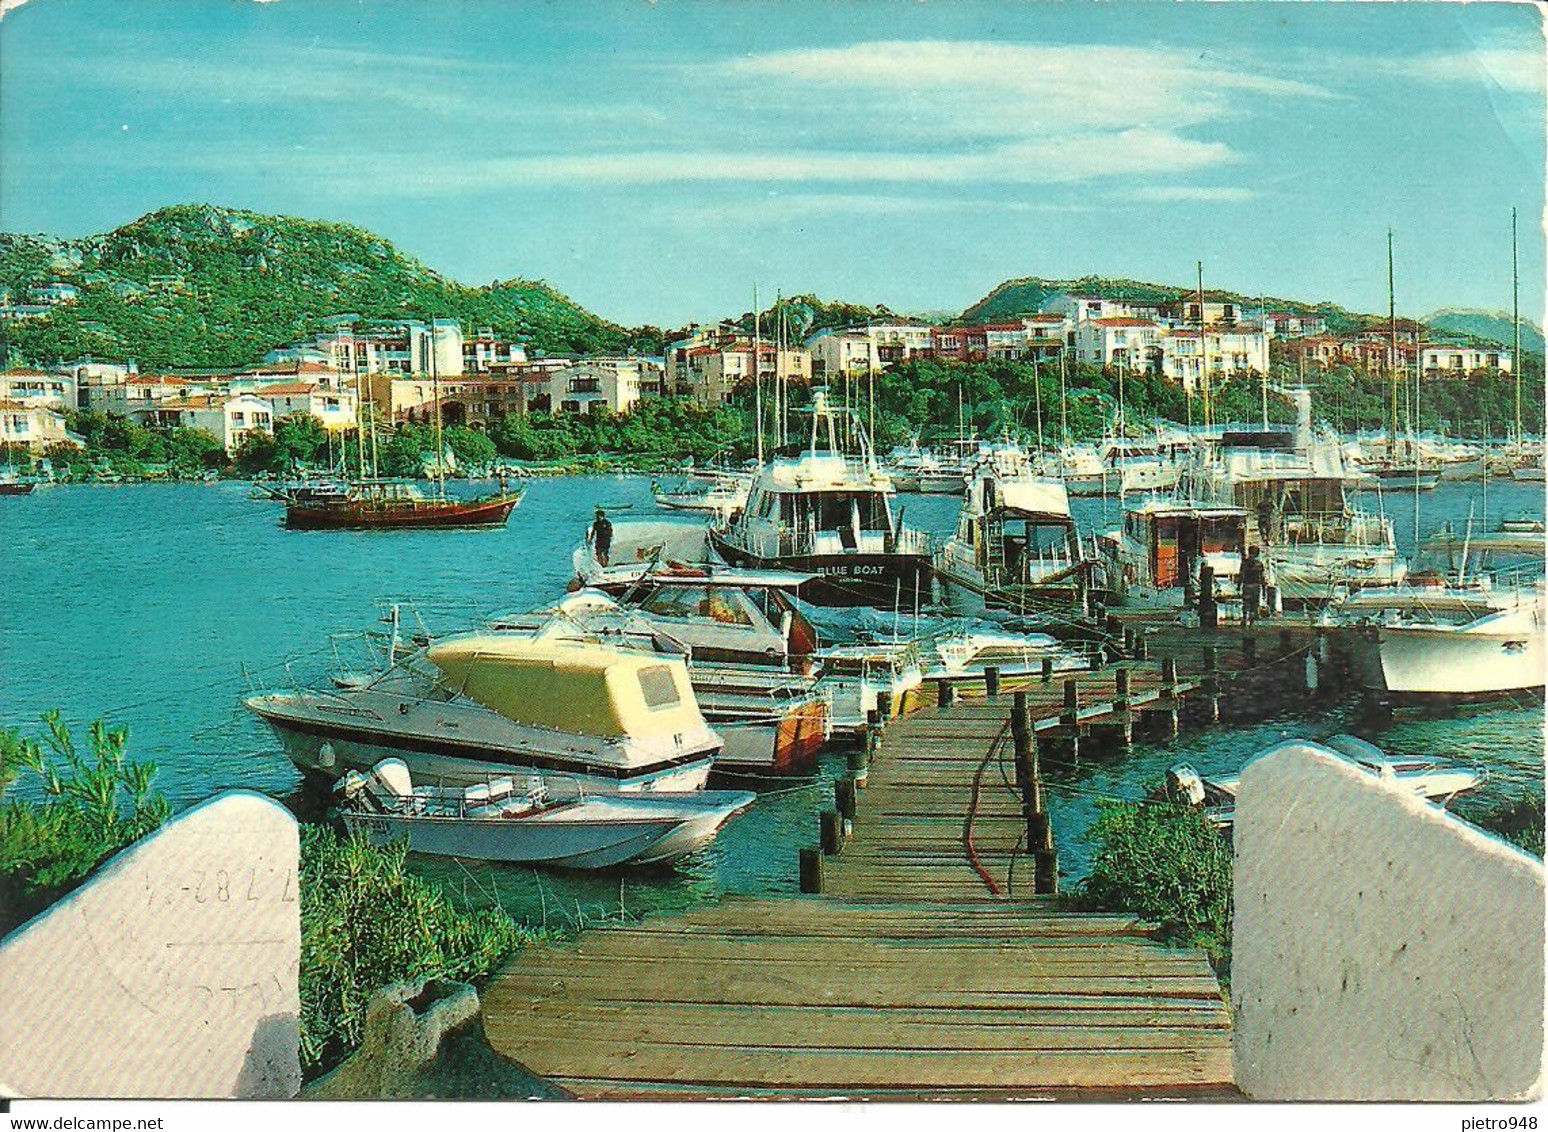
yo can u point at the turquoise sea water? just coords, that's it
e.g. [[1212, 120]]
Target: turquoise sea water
[[154, 606]]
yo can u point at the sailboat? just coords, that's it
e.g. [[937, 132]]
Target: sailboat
[[385, 503]]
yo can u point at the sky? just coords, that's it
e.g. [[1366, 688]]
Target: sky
[[656, 161]]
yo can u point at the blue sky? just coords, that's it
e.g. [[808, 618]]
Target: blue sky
[[656, 160]]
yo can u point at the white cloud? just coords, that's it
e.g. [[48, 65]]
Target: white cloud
[[1223, 194], [1042, 86], [1520, 69]]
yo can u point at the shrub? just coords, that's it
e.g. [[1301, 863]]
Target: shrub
[[367, 923], [1167, 864], [93, 806]]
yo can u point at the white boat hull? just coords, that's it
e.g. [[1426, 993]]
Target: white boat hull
[[596, 833], [330, 752], [1413, 660]]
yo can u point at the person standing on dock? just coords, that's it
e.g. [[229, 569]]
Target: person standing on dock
[[1252, 585], [601, 537]]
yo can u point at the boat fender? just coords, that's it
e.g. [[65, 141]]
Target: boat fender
[[325, 756]]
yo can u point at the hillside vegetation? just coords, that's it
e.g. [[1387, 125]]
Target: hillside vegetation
[[1017, 297], [197, 285]]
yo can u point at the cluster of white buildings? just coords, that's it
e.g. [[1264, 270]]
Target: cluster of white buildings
[[391, 372]]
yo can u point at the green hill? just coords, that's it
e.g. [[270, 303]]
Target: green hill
[[1017, 297], [198, 285], [1487, 326]]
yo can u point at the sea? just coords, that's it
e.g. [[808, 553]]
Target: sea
[[157, 607]]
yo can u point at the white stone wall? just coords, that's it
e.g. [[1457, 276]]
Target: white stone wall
[[1383, 949], [174, 972]]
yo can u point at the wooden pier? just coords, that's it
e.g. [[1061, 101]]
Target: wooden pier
[[929, 966]]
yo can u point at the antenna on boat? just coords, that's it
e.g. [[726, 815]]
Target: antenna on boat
[[757, 378], [1515, 323]]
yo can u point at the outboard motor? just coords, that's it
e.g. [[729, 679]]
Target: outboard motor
[[1184, 783], [391, 777]]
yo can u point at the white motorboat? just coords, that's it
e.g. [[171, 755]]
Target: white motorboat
[[964, 654], [1155, 560], [747, 647], [1016, 547], [641, 546], [824, 511], [1453, 642], [853, 677], [468, 709], [722, 496], [545, 822], [1435, 780]]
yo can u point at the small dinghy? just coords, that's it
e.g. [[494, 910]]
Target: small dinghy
[[1435, 780], [546, 823]]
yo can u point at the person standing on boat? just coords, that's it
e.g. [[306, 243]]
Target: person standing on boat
[[1252, 585], [1268, 518], [601, 537]]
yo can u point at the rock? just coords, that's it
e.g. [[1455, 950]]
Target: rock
[[426, 1040], [173, 972]]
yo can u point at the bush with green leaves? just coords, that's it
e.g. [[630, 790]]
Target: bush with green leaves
[[1165, 863], [89, 806], [367, 923]]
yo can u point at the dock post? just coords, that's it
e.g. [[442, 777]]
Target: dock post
[[811, 870], [1141, 644], [830, 827], [883, 707], [1128, 642], [1209, 612], [991, 681], [859, 760], [1286, 643], [1211, 684], [1047, 866], [845, 799], [1021, 731]]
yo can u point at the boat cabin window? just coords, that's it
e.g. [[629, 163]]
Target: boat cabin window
[[716, 603], [1037, 537], [836, 510], [658, 687]]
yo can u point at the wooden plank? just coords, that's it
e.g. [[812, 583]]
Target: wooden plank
[[835, 1069], [729, 1024], [790, 1030], [923, 984]]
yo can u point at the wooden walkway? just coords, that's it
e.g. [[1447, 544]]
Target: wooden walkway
[[917, 973]]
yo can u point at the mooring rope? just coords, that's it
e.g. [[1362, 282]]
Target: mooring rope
[[967, 825]]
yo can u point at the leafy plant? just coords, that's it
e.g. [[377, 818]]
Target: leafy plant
[[367, 923], [92, 805], [1167, 864]]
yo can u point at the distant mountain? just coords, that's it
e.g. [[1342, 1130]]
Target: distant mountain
[[198, 285], [1017, 297], [1488, 326]]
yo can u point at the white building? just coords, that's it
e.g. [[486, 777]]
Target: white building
[[842, 351], [55, 293], [1227, 351], [334, 408], [606, 384], [35, 387], [230, 419], [1119, 340], [34, 426], [1458, 361]]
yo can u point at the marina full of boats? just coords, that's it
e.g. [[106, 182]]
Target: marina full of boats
[[786, 607]]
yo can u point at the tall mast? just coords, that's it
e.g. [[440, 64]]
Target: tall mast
[[1209, 416], [1413, 444], [757, 378], [1392, 347], [1263, 324], [1037, 395], [435, 393], [1515, 322], [1064, 402], [359, 409]]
